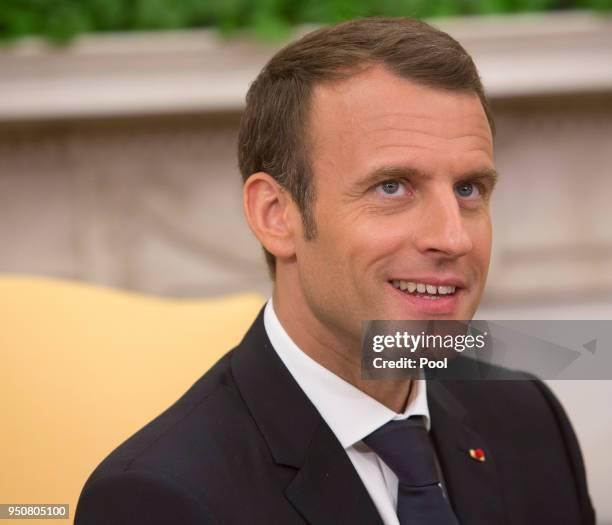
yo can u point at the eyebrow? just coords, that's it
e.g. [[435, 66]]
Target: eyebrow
[[407, 172]]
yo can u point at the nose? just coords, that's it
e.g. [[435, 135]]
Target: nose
[[443, 232]]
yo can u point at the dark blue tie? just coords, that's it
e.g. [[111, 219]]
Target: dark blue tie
[[405, 447]]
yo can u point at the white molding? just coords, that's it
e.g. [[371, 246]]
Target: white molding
[[167, 72]]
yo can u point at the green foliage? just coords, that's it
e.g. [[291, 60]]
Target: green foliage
[[60, 20]]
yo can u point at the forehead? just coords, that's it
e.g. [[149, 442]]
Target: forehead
[[378, 113]]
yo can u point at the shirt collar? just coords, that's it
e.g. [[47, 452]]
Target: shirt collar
[[349, 412]]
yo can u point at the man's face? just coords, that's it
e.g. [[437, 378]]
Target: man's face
[[403, 175]]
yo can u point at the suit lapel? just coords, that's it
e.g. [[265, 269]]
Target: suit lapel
[[473, 486], [326, 488]]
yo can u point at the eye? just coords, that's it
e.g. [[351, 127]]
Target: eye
[[391, 188], [467, 190]]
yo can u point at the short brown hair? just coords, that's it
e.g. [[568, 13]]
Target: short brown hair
[[273, 133]]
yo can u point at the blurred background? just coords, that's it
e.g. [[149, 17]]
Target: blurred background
[[118, 126]]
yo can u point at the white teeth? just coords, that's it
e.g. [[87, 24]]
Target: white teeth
[[430, 289]]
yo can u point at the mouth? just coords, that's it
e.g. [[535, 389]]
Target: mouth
[[425, 290], [423, 298]]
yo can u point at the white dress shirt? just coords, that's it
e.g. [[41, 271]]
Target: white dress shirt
[[350, 413]]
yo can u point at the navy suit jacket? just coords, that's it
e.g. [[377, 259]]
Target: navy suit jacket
[[244, 445]]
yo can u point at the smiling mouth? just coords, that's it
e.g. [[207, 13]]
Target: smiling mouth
[[424, 290]]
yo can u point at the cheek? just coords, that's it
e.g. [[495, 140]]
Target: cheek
[[347, 255], [371, 246], [481, 234], [322, 261]]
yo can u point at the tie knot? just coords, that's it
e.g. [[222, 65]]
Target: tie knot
[[405, 447]]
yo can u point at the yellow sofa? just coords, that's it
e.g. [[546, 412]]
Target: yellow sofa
[[83, 367]]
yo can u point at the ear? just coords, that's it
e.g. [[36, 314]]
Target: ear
[[270, 213]]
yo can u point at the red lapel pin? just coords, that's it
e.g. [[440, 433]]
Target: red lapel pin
[[477, 454]]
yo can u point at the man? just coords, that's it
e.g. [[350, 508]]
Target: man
[[366, 150]]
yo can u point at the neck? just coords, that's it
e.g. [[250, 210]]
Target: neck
[[339, 357]]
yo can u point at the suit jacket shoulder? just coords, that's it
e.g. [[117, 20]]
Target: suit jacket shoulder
[[186, 464]]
